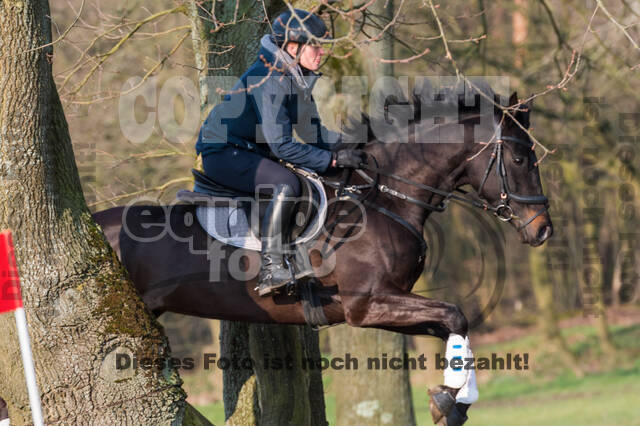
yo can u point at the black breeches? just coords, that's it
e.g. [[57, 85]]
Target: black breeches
[[245, 171]]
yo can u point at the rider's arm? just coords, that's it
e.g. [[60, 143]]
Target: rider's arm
[[272, 102]]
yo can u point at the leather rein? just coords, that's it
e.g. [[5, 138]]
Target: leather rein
[[502, 211]]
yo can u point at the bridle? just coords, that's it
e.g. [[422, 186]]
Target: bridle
[[503, 211], [366, 193]]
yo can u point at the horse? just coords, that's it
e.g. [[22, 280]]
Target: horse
[[176, 267]]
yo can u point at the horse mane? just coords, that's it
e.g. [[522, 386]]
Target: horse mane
[[424, 101]]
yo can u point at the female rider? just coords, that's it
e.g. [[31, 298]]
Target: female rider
[[244, 136]]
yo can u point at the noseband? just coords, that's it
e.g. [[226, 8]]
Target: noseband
[[503, 211]]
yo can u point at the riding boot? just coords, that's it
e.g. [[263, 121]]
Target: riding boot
[[274, 232]]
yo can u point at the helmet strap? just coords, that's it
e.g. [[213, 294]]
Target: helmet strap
[[298, 53]]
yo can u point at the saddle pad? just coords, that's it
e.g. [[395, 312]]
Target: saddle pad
[[232, 223]]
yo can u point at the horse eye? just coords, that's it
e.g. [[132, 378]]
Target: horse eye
[[518, 160]]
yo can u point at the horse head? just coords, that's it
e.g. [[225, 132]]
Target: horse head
[[435, 159], [505, 174]]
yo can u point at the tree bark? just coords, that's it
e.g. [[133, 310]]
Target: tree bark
[[369, 395], [260, 395], [81, 308]]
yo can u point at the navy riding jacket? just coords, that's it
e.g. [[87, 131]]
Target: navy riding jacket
[[271, 100]]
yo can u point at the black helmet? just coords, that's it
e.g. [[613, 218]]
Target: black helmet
[[297, 26]]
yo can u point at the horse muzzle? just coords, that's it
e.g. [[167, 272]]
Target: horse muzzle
[[537, 231]]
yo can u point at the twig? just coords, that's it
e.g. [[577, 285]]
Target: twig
[[406, 60], [444, 38], [161, 188], [62, 36], [617, 24], [105, 56]]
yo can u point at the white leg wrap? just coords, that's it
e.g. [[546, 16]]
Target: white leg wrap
[[4, 422], [457, 347], [468, 394]]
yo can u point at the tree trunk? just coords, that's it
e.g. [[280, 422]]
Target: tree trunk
[[370, 396], [260, 395], [292, 395], [520, 31], [81, 308], [540, 270], [592, 279], [382, 11], [616, 279]]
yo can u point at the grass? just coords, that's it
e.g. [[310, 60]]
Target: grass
[[214, 412], [608, 395], [601, 399]]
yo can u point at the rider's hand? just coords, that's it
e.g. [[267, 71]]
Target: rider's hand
[[349, 158]]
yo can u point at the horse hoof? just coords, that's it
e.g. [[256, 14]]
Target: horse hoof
[[442, 400], [457, 416]]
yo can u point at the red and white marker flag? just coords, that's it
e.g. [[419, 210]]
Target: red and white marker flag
[[11, 300]]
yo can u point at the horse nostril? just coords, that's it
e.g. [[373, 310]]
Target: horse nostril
[[545, 232]]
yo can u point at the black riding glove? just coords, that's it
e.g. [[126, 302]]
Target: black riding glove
[[353, 158]]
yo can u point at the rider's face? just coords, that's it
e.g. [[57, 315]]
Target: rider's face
[[310, 56]]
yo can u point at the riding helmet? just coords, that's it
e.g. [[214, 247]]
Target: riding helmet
[[297, 26]]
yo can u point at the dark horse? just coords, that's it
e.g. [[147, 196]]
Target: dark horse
[[176, 268]]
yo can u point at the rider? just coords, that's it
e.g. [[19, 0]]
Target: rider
[[245, 136]]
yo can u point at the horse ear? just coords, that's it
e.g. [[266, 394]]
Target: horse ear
[[513, 99], [523, 116]]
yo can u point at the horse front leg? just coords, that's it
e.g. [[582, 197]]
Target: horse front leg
[[413, 314]]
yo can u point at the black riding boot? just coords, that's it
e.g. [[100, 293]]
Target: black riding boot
[[274, 232]]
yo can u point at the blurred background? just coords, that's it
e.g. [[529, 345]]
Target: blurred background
[[572, 305]]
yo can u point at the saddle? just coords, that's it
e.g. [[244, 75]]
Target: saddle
[[233, 218]]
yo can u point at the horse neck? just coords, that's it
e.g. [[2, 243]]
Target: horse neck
[[438, 165]]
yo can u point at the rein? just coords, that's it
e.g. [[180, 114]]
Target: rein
[[503, 210]]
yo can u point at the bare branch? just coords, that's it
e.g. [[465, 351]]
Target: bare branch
[[114, 49], [617, 24], [160, 188]]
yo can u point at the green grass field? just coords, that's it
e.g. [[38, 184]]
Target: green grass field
[[610, 396]]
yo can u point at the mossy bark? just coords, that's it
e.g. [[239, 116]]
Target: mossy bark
[[80, 305]]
